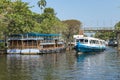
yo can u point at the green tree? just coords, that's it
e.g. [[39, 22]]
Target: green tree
[[49, 11], [5, 8], [117, 26], [19, 18], [42, 4], [50, 23], [73, 27], [16, 17], [3, 24], [105, 35]]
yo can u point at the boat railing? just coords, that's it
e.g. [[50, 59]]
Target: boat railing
[[22, 47], [51, 43], [32, 38]]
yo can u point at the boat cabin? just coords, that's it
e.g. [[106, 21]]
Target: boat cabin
[[89, 40]]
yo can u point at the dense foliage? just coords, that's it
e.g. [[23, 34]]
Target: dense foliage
[[105, 35], [16, 17], [73, 28]]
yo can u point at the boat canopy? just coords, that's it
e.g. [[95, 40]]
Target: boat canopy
[[34, 35]]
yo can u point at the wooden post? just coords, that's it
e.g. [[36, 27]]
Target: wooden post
[[17, 44], [21, 46], [11, 45], [37, 44], [56, 43], [32, 46]]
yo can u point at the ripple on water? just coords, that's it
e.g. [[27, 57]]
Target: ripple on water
[[62, 66]]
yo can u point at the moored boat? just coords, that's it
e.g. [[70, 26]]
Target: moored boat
[[89, 44], [113, 42], [34, 43]]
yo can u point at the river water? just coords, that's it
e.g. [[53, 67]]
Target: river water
[[61, 66]]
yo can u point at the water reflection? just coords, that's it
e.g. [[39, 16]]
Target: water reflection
[[39, 67], [61, 66], [30, 66], [3, 68], [102, 66]]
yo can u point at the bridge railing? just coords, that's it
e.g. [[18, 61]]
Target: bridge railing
[[99, 28]]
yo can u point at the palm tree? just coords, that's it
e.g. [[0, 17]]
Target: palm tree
[[42, 4]]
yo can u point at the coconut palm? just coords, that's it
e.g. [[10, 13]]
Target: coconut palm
[[42, 4]]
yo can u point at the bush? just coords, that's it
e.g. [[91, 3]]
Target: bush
[[2, 45]]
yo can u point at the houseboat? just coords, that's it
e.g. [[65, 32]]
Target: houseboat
[[89, 44], [34, 43]]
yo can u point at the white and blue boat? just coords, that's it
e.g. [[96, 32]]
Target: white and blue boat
[[89, 44]]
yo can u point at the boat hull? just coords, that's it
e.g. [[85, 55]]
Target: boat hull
[[84, 48], [35, 51]]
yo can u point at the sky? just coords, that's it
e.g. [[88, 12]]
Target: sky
[[92, 13]]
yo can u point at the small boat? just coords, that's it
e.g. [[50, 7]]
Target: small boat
[[113, 43], [89, 44]]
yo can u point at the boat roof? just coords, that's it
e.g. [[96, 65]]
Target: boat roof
[[90, 38], [35, 34]]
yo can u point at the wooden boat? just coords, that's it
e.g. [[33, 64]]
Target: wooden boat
[[34, 43], [89, 44]]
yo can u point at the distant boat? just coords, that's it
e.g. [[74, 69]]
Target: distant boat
[[89, 44], [113, 42]]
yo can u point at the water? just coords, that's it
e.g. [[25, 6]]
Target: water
[[61, 66]]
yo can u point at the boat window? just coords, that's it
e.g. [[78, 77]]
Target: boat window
[[77, 40], [101, 42], [96, 42], [86, 41], [82, 40], [92, 41]]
